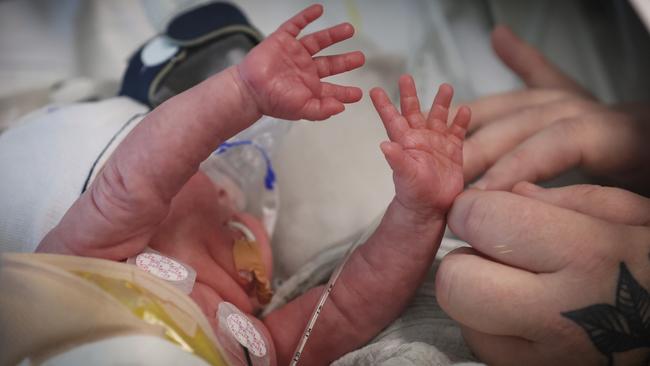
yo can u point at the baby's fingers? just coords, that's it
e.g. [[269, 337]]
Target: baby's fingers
[[410, 103], [461, 122], [344, 94], [336, 64], [395, 157], [439, 113], [317, 41], [320, 109], [294, 25], [395, 124]]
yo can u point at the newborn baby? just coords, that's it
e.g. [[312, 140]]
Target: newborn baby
[[150, 193]]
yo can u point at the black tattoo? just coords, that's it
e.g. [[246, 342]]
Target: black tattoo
[[622, 327]]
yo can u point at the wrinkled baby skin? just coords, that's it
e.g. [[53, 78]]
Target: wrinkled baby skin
[[151, 193]]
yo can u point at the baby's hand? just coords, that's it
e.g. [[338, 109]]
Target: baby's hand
[[284, 78], [426, 154]]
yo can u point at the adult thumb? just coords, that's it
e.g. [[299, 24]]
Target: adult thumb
[[529, 64], [607, 203]]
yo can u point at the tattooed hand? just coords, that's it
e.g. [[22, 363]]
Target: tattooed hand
[[554, 276]]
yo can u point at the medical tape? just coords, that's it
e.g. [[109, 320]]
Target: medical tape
[[248, 261]]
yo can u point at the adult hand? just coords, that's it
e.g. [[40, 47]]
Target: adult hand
[[550, 127], [553, 276]]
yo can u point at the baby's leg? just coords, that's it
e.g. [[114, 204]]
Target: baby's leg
[[382, 275]]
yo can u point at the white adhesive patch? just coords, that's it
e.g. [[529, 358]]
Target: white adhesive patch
[[246, 334], [161, 266], [157, 51]]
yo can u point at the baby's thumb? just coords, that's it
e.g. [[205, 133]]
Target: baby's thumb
[[394, 156], [529, 64]]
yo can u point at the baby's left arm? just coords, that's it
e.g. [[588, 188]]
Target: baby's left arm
[[281, 77], [384, 273]]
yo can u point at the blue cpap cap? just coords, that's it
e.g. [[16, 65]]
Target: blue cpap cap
[[196, 44]]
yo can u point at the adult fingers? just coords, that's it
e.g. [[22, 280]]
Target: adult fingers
[[458, 128], [322, 39], [544, 155], [409, 102], [608, 203], [336, 64], [395, 124], [344, 94], [299, 21], [507, 350], [529, 64], [439, 112], [502, 350], [492, 297], [547, 83], [602, 143], [527, 233], [488, 144], [493, 107]]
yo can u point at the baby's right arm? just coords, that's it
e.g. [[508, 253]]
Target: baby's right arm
[[382, 275]]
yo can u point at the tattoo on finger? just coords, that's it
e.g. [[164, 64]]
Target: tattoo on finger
[[620, 327]]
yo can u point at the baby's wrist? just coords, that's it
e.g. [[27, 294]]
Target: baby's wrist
[[247, 95], [54, 243], [246, 107], [415, 234], [418, 217]]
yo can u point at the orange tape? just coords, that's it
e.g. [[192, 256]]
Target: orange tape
[[248, 261]]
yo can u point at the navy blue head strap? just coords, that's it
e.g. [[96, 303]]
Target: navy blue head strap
[[189, 30]]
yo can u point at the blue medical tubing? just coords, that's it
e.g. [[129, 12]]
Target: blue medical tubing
[[269, 179]]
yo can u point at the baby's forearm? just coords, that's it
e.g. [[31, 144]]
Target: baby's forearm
[[153, 163], [374, 288], [207, 114]]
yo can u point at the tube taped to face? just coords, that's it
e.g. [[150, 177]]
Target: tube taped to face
[[243, 167], [249, 263]]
